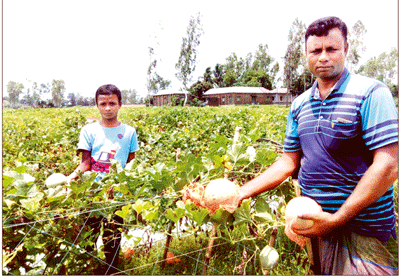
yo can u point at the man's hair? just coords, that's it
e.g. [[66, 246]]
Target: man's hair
[[109, 89], [322, 26]]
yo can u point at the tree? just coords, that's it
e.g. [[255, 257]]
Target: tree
[[257, 78], [84, 101], [57, 91], [304, 80], [199, 88], [71, 99], [32, 94], [294, 57], [218, 75], [237, 66], [14, 89], [28, 99], [274, 73], [356, 46], [383, 68], [36, 92], [124, 96], [262, 65], [186, 64], [44, 88], [207, 76], [132, 96], [129, 96], [230, 78], [155, 82], [262, 60]]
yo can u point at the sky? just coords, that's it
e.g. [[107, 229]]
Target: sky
[[88, 43]]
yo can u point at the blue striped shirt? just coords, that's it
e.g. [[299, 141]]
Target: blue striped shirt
[[336, 137]]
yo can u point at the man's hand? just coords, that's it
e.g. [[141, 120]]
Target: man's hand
[[324, 223]]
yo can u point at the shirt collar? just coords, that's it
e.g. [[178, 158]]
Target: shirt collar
[[315, 92]]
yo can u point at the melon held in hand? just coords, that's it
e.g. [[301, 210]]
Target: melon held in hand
[[222, 193], [219, 193], [298, 206], [294, 208]]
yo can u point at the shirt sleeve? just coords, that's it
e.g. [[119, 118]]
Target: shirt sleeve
[[379, 118], [292, 139], [134, 146], [84, 140]]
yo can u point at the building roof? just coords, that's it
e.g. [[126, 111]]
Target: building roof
[[229, 90], [170, 92], [280, 91], [245, 90]]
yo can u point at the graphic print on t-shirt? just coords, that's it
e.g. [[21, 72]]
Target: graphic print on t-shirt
[[103, 163]]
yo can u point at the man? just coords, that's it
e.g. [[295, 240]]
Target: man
[[343, 135]]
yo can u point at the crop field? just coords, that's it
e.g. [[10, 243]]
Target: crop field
[[44, 228]]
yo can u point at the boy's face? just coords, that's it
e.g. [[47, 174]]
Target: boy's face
[[108, 106]]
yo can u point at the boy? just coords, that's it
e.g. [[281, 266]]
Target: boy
[[99, 142]]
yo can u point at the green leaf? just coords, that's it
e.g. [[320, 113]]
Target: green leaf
[[22, 182], [20, 169], [149, 214], [122, 188], [169, 213], [124, 212], [242, 214], [79, 187], [141, 205], [9, 203], [8, 258], [32, 204], [199, 216], [263, 211], [56, 193], [7, 181], [220, 217]]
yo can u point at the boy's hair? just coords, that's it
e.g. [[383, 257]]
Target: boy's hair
[[109, 89], [322, 26]]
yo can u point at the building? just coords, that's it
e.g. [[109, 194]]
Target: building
[[164, 97], [246, 95], [280, 96]]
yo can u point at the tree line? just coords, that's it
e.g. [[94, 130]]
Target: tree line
[[52, 95], [257, 69], [260, 69]]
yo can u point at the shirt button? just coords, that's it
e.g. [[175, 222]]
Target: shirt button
[[323, 103], [321, 117]]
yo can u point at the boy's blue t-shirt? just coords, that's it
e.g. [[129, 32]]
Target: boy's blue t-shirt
[[106, 143]]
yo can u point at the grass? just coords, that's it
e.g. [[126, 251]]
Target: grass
[[240, 258]]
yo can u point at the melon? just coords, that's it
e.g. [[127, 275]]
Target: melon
[[221, 193], [269, 258], [55, 179], [301, 205], [294, 208]]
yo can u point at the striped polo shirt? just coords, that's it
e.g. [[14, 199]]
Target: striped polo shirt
[[336, 137]]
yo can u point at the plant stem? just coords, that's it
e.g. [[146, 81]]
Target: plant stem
[[168, 241], [209, 250]]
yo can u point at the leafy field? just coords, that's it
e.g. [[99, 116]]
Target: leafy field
[[43, 228]]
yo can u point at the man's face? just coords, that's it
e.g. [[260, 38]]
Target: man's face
[[108, 106], [326, 55]]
